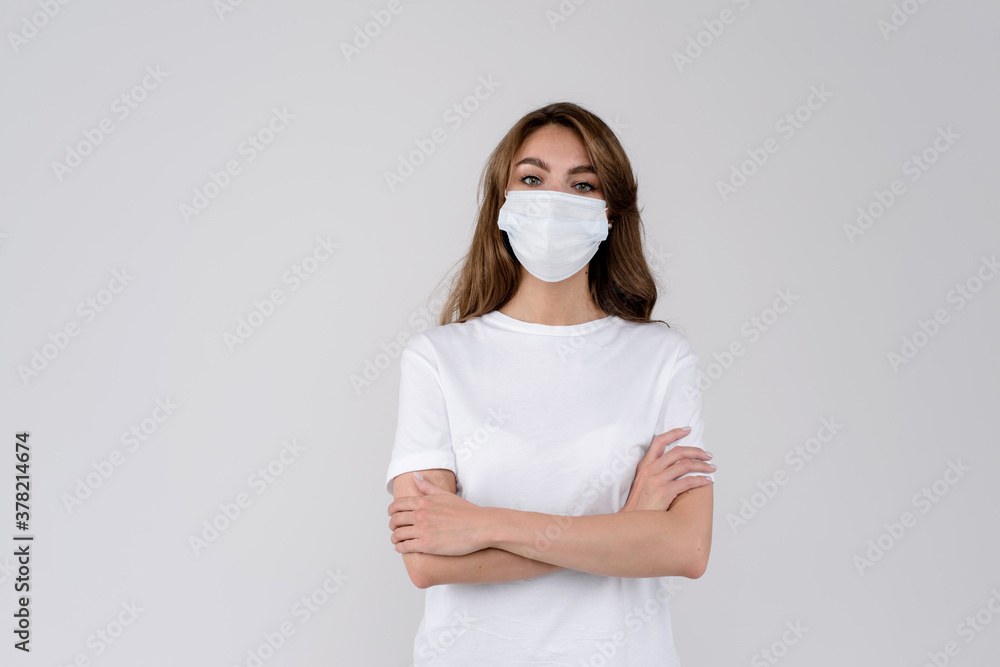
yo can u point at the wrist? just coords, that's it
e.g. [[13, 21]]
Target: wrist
[[494, 531]]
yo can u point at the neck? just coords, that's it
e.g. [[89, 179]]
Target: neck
[[563, 303]]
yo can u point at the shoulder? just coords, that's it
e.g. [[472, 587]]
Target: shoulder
[[657, 339], [434, 342]]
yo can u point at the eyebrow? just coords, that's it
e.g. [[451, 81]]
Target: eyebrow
[[582, 169]]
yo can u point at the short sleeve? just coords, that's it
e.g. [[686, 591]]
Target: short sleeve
[[682, 401], [423, 434]]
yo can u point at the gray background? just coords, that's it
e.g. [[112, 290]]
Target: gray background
[[721, 262]]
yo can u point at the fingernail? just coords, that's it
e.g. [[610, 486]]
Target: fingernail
[[708, 454], [712, 466], [686, 428], [419, 476]]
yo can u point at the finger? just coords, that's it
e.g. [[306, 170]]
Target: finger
[[403, 504], [674, 455], [409, 546], [661, 441], [679, 474], [679, 486], [690, 452], [401, 519], [428, 487], [694, 481], [673, 434], [685, 466], [678, 471], [403, 534]]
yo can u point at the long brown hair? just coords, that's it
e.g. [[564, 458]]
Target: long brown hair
[[620, 280]]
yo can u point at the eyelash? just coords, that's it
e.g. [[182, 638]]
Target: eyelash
[[589, 185]]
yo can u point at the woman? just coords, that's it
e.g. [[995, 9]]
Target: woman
[[540, 494]]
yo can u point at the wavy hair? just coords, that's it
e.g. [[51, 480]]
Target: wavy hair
[[620, 280]]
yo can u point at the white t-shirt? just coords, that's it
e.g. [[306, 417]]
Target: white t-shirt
[[549, 419]]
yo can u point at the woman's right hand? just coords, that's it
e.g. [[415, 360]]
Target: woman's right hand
[[656, 482]]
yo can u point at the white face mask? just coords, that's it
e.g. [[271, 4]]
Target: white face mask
[[553, 234]]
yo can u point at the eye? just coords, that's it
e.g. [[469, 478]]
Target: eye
[[589, 187], [524, 179]]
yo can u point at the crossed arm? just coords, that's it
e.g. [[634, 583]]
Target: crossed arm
[[486, 566], [445, 539]]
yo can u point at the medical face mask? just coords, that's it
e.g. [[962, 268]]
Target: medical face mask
[[553, 234]]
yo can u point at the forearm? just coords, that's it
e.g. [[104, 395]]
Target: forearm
[[642, 543], [486, 566]]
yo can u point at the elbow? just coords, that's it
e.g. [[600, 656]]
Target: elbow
[[420, 581], [418, 567], [689, 562], [697, 568], [698, 561]]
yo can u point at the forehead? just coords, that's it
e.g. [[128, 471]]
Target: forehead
[[554, 144]]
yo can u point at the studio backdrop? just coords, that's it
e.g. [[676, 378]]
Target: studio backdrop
[[221, 221]]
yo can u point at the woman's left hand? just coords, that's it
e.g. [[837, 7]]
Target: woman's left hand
[[436, 522]]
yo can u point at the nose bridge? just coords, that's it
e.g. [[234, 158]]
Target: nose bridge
[[545, 203]]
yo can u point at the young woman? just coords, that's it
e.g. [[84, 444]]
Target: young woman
[[541, 495]]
